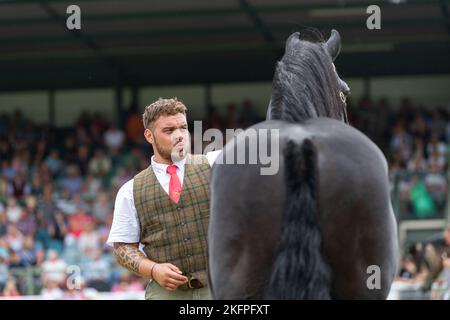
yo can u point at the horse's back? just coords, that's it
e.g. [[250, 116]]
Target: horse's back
[[357, 220], [355, 214]]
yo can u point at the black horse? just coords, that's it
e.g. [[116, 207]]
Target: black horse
[[316, 228]]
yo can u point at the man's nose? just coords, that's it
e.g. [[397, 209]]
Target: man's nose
[[178, 135]]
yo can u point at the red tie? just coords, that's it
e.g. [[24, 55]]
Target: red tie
[[174, 185]]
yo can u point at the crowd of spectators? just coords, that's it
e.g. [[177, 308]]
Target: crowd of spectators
[[58, 185]]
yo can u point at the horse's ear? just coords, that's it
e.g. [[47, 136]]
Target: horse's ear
[[333, 44], [291, 41]]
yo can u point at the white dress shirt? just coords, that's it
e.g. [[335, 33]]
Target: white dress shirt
[[125, 226]]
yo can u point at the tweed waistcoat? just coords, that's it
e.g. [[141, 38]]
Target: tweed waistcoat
[[176, 232]]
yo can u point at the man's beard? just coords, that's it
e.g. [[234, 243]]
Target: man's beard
[[173, 154]]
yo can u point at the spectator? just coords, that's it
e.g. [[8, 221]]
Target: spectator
[[46, 204], [82, 159], [102, 207], [53, 269], [401, 140], [437, 160], [114, 138], [121, 177], [14, 238], [54, 163], [10, 289], [89, 241], [3, 224], [100, 164], [3, 271], [78, 222], [36, 187], [126, 284], [91, 187], [15, 260], [30, 255], [436, 186], [65, 203], [27, 223], [19, 187], [96, 272], [13, 210], [72, 181], [51, 290], [57, 230]]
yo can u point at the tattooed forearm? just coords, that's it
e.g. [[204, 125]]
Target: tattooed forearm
[[129, 256]]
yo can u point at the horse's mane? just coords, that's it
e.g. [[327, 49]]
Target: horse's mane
[[305, 83]]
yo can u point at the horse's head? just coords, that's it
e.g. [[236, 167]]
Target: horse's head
[[306, 84]]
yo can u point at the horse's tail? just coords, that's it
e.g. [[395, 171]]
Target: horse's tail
[[300, 270]]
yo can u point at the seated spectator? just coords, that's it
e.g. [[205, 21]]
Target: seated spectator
[[78, 222], [54, 163], [401, 140], [57, 230], [408, 270], [82, 292], [417, 164], [89, 240], [96, 272], [10, 289], [42, 236], [30, 254], [100, 165], [27, 223], [126, 283], [422, 202], [102, 207], [51, 290], [14, 238], [3, 224], [19, 187], [7, 170], [65, 203], [436, 159], [13, 210], [3, 188], [3, 271], [15, 260], [73, 180], [46, 204], [437, 185], [91, 187], [36, 187], [114, 138], [122, 176], [436, 144], [82, 159], [53, 269]]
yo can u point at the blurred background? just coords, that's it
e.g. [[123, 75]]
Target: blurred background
[[71, 131]]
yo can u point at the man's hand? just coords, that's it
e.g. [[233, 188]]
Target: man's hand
[[168, 276]]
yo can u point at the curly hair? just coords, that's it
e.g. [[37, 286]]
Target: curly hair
[[161, 107]]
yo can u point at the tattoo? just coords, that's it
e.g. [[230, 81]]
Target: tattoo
[[129, 256]]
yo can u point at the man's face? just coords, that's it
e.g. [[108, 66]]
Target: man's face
[[169, 137]]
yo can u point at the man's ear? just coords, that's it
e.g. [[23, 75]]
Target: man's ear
[[148, 134]]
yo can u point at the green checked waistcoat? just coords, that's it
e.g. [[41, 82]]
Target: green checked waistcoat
[[176, 233]]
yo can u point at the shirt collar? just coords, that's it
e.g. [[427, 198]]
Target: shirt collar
[[162, 167]]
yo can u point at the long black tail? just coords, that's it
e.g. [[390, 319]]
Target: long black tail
[[300, 270]]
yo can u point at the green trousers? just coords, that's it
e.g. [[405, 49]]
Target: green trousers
[[154, 291]]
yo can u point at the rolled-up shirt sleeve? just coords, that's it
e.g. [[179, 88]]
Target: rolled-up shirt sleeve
[[125, 226]]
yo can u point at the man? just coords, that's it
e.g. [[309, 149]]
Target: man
[[165, 210]]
